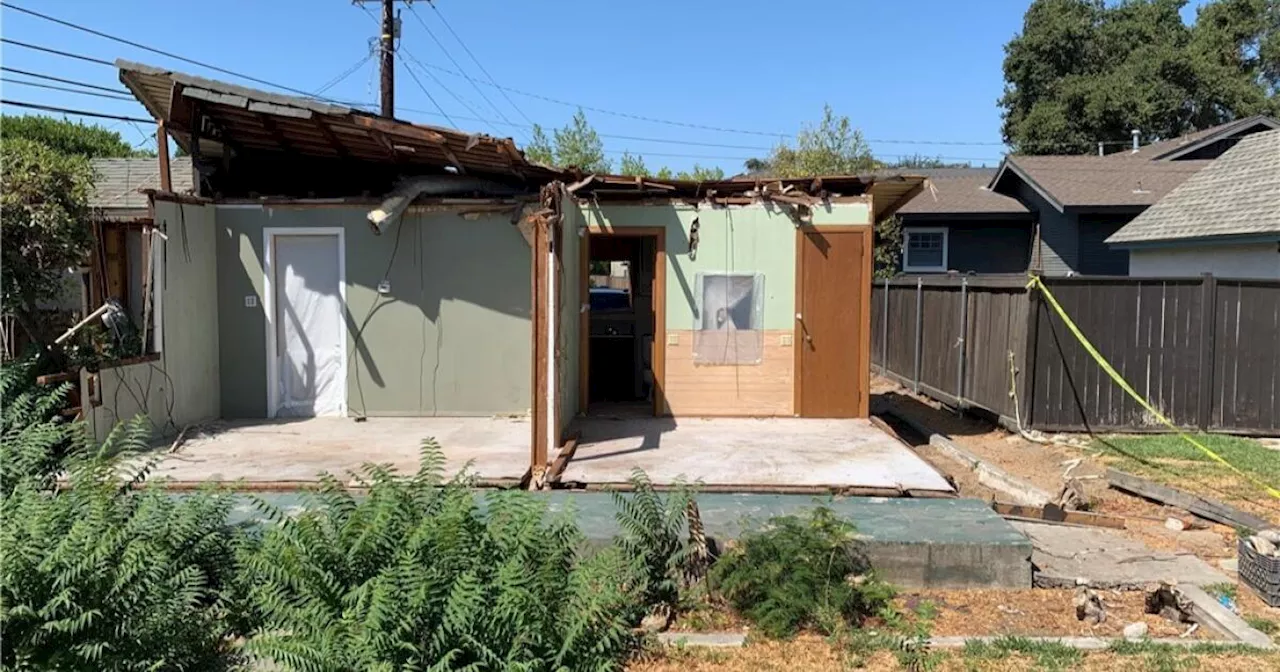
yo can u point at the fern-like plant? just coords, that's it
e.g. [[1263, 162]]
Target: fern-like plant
[[97, 575], [414, 576], [652, 537], [800, 572], [34, 439]]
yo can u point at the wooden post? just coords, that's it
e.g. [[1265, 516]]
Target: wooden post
[[884, 332], [1030, 353], [162, 153], [963, 342], [1208, 351], [919, 320], [538, 313], [387, 40]]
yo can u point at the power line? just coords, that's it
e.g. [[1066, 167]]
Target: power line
[[51, 78], [440, 16], [456, 64], [144, 47], [81, 113], [428, 93], [58, 52], [55, 87], [345, 74]]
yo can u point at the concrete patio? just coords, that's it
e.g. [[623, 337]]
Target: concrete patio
[[262, 452], [851, 456]]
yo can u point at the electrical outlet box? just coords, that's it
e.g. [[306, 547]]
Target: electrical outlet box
[[251, 301], [784, 339], [384, 287], [673, 339]]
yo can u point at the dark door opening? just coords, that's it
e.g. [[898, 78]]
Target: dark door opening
[[623, 301]]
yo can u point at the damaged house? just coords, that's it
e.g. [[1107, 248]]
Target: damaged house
[[345, 266]]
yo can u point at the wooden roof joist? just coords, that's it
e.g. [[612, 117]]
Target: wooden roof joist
[[228, 115]]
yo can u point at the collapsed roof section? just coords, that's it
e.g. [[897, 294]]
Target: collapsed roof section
[[234, 121], [888, 192]]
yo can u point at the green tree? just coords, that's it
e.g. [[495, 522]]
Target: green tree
[[922, 161], [539, 148], [45, 226], [576, 145], [833, 147], [701, 174], [632, 165], [1084, 71], [93, 142]]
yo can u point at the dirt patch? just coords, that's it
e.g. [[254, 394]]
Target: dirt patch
[[1035, 613]]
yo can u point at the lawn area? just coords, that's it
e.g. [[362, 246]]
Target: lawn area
[[1173, 450]]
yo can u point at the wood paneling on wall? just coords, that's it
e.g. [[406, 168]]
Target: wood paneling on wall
[[764, 389]]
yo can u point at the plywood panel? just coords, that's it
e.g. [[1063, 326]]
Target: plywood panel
[[764, 389]]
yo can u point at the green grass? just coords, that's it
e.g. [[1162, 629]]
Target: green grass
[[1222, 589], [1245, 454], [1264, 625], [1050, 656]]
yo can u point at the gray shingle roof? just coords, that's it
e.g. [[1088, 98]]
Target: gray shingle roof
[[960, 191], [1238, 194], [1165, 149], [118, 181], [1083, 181]]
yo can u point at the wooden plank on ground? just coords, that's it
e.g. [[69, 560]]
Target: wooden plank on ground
[[562, 459], [1208, 509], [1055, 514]]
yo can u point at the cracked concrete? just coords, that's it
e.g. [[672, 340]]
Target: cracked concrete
[[1107, 559]]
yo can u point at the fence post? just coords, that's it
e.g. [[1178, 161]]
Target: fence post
[[1029, 364], [884, 333], [915, 378], [1208, 332], [962, 342]]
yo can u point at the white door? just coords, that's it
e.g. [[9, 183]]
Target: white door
[[310, 372]]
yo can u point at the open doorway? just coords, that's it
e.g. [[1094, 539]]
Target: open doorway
[[625, 276]]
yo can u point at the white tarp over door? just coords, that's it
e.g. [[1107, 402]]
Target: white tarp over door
[[310, 371]]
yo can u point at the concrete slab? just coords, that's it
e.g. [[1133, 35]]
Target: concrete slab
[[1107, 559], [296, 450], [913, 543], [748, 451]]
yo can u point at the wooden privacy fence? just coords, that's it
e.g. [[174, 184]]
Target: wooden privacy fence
[[1202, 350]]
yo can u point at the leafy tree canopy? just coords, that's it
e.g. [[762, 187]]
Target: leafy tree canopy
[[833, 147], [44, 231], [1087, 71], [67, 137], [577, 145]]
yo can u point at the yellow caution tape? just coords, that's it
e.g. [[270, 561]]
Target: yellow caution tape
[[1036, 283]]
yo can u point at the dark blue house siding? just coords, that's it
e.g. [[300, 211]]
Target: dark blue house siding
[[1096, 257], [989, 247]]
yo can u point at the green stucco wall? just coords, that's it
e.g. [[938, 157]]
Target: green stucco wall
[[451, 338], [748, 238], [570, 305]]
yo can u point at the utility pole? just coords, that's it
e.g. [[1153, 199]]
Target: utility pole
[[387, 45]]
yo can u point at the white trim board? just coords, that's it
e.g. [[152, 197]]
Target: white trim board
[[269, 234], [906, 234]]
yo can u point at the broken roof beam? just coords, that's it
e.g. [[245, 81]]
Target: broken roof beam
[[398, 128], [331, 138]]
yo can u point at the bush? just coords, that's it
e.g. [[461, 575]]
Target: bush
[[414, 576], [799, 573], [34, 440], [652, 539], [101, 576]]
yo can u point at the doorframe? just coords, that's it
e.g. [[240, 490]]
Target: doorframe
[[658, 355], [864, 297], [269, 235]]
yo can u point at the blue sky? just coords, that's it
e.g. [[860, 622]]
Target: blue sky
[[928, 72]]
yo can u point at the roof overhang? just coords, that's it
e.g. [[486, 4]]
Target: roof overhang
[[1226, 132], [231, 118], [1010, 170], [1196, 241]]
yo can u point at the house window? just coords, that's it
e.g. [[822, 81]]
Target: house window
[[729, 326], [924, 250]]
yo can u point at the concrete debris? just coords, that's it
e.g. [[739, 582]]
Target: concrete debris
[[1230, 564], [1169, 603], [1089, 605], [1071, 497], [1272, 536], [1263, 546], [1107, 558], [1175, 524], [1190, 631], [1136, 630]]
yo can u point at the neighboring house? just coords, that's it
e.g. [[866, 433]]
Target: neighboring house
[[473, 300], [959, 223], [1052, 214], [1224, 220]]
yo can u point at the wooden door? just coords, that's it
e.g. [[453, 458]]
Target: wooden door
[[832, 325]]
